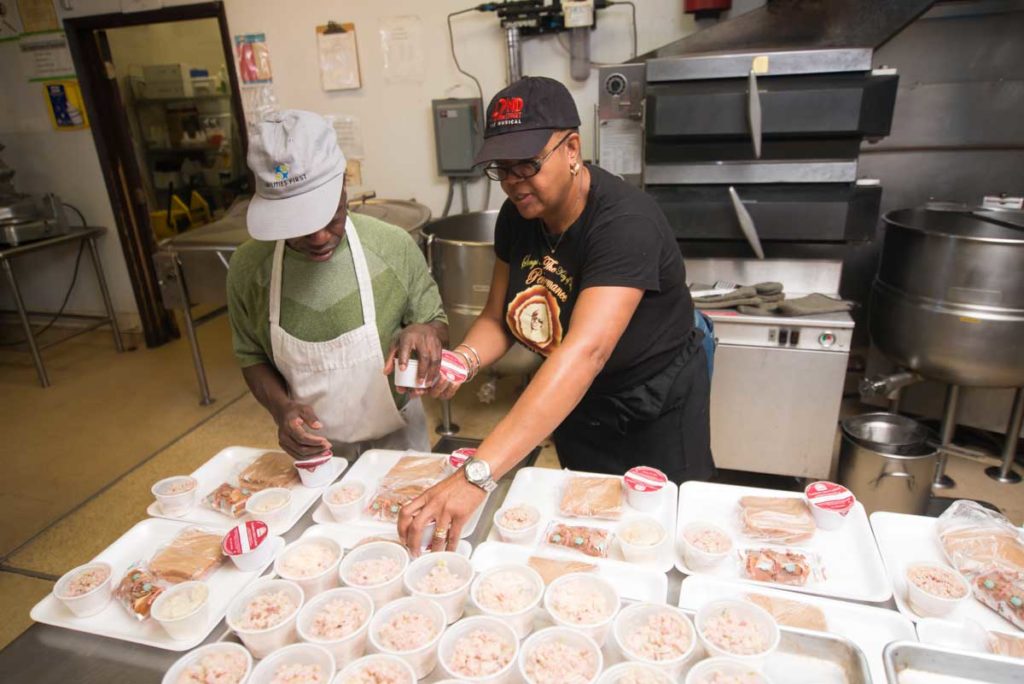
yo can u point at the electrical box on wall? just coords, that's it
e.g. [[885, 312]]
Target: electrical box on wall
[[457, 135], [578, 13]]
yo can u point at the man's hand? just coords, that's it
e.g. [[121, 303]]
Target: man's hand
[[449, 503], [292, 420], [426, 341]]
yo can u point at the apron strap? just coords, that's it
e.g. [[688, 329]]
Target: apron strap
[[275, 283], [362, 274]]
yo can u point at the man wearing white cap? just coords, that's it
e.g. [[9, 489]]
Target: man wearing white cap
[[323, 303]]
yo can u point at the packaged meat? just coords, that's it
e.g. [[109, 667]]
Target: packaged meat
[[272, 469], [791, 613], [976, 539], [785, 520], [551, 569], [1003, 592], [591, 541], [407, 479], [781, 566], [229, 499], [192, 555], [1003, 644], [137, 590], [592, 497]]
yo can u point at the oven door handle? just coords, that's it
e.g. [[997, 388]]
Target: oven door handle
[[754, 113], [746, 223]]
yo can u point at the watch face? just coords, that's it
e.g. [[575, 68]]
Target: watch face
[[476, 471]]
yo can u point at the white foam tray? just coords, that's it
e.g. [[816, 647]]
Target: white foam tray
[[224, 467], [141, 542], [370, 469], [905, 539], [348, 535], [853, 567], [542, 488], [869, 627]]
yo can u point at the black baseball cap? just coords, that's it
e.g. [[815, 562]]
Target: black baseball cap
[[521, 117]]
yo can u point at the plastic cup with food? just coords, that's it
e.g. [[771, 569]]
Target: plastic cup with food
[[312, 563], [705, 545], [479, 649], [659, 636], [248, 545], [377, 569], [407, 378], [410, 629], [584, 602], [830, 504], [224, 662], [345, 500], [316, 472], [644, 487], [632, 673], [557, 654], [642, 539], [443, 577], [272, 506], [714, 670], [338, 620], [517, 524], [305, 663], [738, 630], [379, 667], [263, 616], [175, 495], [458, 458], [934, 590], [85, 590], [183, 610], [509, 593]]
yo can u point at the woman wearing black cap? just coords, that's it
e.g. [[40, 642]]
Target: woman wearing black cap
[[589, 275]]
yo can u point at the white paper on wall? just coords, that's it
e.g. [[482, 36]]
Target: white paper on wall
[[338, 56], [350, 134], [401, 44], [46, 57]]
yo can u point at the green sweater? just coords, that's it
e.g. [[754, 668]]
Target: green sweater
[[320, 301]]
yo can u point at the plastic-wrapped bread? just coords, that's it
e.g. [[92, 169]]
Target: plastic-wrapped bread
[[192, 555], [1000, 643], [551, 569], [592, 497], [272, 469], [785, 520], [976, 539], [791, 613]]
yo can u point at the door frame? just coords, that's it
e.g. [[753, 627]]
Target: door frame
[[121, 172]]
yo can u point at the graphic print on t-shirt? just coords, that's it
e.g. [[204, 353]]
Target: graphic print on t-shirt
[[534, 314]]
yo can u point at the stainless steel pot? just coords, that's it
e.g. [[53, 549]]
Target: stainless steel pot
[[948, 300], [460, 252], [407, 214]]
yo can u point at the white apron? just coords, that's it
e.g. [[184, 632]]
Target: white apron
[[341, 379]]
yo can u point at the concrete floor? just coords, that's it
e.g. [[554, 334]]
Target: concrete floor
[[80, 456]]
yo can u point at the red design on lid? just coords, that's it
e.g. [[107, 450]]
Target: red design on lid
[[311, 464], [645, 479], [460, 456], [830, 496], [453, 368], [244, 538]]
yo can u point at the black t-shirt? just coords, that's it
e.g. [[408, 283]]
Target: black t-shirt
[[622, 239]]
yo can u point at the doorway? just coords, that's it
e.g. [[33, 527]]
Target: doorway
[[168, 124]]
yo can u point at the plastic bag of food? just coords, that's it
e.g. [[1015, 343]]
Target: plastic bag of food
[[976, 539], [272, 469], [137, 590], [407, 479], [1000, 643], [551, 569], [785, 520], [1003, 592], [592, 497], [229, 499], [779, 565], [791, 613], [192, 555], [591, 541]]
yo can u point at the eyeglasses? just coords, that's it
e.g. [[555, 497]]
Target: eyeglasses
[[522, 169]]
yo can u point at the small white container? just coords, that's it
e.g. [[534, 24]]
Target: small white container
[[355, 667], [249, 545], [568, 636], [520, 621], [645, 487], [314, 584], [191, 624], [423, 658], [347, 648], [263, 642], [488, 624], [453, 602], [173, 675], [641, 553], [636, 615], [634, 670], [523, 535], [598, 631], [278, 504], [296, 654], [345, 512], [830, 504], [930, 605], [767, 624], [407, 378], [697, 558], [91, 602], [175, 504], [382, 592], [699, 673], [316, 472]]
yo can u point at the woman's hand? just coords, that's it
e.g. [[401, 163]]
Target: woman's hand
[[449, 504]]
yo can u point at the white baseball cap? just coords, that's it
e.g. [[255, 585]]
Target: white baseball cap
[[299, 170]]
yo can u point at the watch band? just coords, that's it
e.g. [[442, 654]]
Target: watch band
[[488, 484]]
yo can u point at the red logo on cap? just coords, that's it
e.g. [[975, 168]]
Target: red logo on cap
[[509, 110]]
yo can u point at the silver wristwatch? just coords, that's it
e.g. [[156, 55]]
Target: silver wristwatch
[[478, 472]]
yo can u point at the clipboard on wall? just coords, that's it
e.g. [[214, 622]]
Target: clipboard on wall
[[338, 56]]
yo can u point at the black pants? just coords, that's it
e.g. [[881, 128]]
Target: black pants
[[664, 423]]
